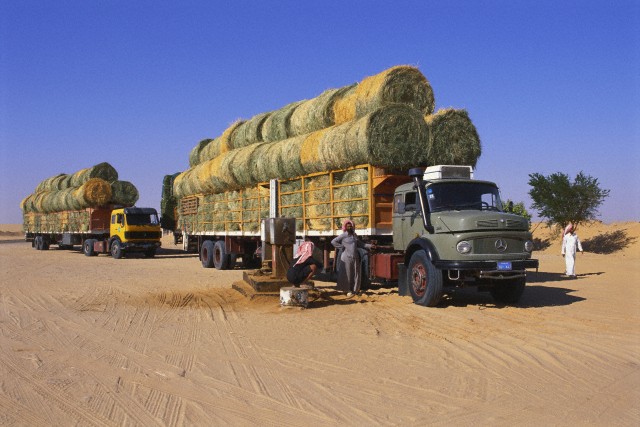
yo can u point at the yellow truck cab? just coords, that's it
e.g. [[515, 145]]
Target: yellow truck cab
[[134, 230]]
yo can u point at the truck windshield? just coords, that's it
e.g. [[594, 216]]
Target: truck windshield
[[142, 219], [448, 196]]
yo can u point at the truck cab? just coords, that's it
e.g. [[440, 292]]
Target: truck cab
[[134, 230], [454, 232]]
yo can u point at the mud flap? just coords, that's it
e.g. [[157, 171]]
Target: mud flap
[[403, 287]]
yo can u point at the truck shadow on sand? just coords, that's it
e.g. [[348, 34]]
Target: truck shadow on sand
[[174, 253], [534, 297], [604, 244]]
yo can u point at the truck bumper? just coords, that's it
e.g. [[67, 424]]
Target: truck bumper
[[484, 265], [140, 246]]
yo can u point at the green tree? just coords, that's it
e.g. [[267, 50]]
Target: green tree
[[560, 201], [516, 208]]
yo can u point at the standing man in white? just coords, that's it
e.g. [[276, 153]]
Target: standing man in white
[[570, 245]]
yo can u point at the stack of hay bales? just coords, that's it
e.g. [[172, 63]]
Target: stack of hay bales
[[90, 187], [386, 120]]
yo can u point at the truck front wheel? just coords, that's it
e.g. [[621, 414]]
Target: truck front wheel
[[87, 247], [425, 281], [508, 291], [206, 254], [116, 249]]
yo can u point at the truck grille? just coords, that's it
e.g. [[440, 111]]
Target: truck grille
[[142, 235], [494, 223]]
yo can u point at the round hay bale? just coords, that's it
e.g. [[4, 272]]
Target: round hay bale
[[53, 183], [249, 132], [400, 84], [309, 152], [453, 138], [317, 113], [219, 145], [124, 193], [344, 109], [102, 170], [194, 155], [394, 136], [95, 192], [276, 127]]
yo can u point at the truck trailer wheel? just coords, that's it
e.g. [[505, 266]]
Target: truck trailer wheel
[[87, 247], [116, 249], [425, 281], [37, 243], [220, 256], [508, 291], [206, 254]]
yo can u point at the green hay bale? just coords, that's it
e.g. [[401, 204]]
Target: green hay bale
[[124, 193], [249, 132], [453, 138], [360, 175], [316, 113], [102, 170], [401, 84], [277, 126], [55, 183], [394, 136], [168, 203], [282, 159], [194, 155]]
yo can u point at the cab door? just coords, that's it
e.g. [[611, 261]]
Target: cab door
[[411, 218]]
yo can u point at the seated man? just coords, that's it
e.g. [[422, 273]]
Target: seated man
[[303, 266]]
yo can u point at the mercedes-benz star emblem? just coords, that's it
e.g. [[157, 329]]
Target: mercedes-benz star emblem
[[501, 245]]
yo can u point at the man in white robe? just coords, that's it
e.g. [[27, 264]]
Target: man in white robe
[[570, 245]]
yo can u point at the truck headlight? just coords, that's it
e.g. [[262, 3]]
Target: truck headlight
[[463, 247], [528, 246]]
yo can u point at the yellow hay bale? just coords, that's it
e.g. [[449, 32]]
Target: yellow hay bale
[[219, 145], [309, 154], [400, 84]]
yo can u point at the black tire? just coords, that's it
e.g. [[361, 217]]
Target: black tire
[[87, 247], [45, 244], [508, 291], [206, 254], [424, 280], [220, 256], [150, 253], [37, 243], [116, 249]]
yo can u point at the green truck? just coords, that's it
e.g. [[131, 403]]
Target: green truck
[[436, 230]]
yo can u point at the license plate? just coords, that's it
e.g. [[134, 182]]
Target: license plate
[[504, 265]]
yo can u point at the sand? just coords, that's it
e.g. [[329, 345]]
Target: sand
[[98, 341]]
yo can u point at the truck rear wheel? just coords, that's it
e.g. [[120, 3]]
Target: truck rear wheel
[[508, 291], [116, 249], [220, 256], [37, 243], [87, 247], [425, 281], [206, 254]]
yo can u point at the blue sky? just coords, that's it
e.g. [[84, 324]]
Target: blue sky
[[551, 86]]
